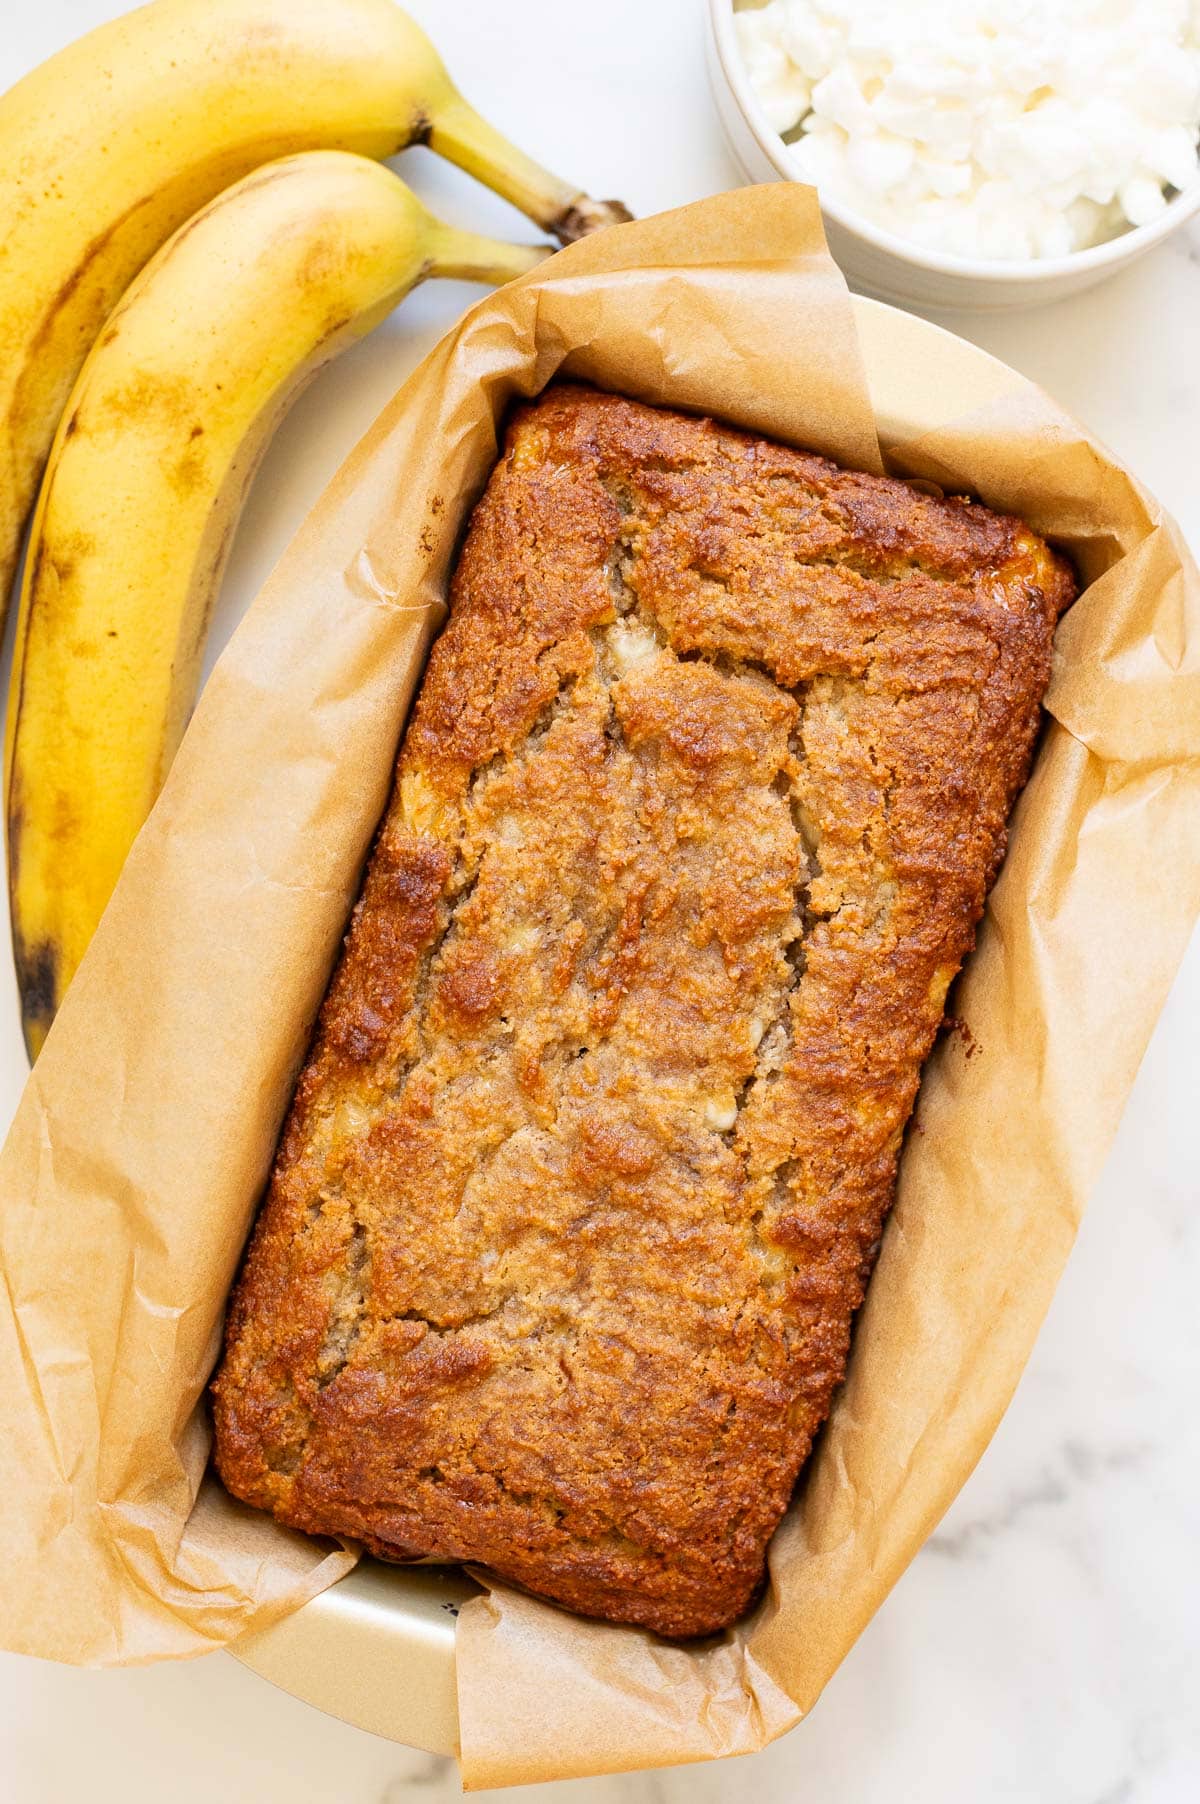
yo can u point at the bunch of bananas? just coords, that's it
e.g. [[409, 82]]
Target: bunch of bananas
[[193, 225]]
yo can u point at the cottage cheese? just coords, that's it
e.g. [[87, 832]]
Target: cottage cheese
[[986, 128]]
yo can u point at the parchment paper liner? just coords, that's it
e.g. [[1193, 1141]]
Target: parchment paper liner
[[142, 1141]]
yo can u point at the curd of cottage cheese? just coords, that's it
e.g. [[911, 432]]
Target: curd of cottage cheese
[[985, 128]]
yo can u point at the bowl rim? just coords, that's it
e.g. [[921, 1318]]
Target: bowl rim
[[1111, 254]]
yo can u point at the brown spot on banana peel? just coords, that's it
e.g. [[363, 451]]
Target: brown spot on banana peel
[[60, 565], [38, 983], [38, 963], [147, 395], [189, 473]]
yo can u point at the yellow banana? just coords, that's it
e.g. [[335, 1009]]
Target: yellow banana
[[108, 147], [156, 448]]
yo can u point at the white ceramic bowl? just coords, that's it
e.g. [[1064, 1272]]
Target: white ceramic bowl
[[881, 263]]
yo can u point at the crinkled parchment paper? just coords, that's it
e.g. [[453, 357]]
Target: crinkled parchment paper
[[130, 1176]]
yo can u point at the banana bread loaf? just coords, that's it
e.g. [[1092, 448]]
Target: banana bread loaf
[[586, 1170]]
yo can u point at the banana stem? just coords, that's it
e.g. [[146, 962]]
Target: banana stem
[[473, 258], [460, 133]]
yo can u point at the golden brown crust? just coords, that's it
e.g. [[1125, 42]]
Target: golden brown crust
[[584, 1176]]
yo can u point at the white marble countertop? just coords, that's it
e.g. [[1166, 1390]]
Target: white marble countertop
[[1044, 1648]]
